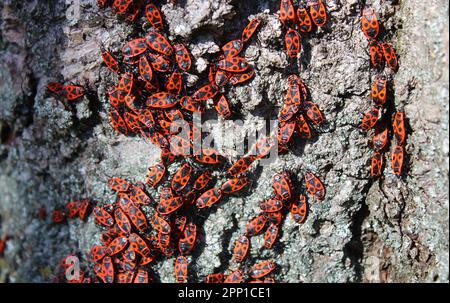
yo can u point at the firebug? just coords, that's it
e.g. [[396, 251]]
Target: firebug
[[162, 100], [119, 184], [58, 216], [397, 159], [205, 93], [303, 127], [292, 42], [187, 241], [181, 269], [155, 174], [299, 209], [159, 63], [242, 165], [208, 156], [285, 131], [72, 92], [379, 91], [304, 20], [174, 83], [370, 119], [103, 217], [234, 185], [241, 248], [262, 269], [170, 205], [159, 43], [214, 278], [380, 139], [222, 107], [110, 61], [314, 186], [390, 55], [376, 54], [134, 47], [376, 165], [97, 253], [271, 235], [236, 276], [282, 185], [369, 23], [117, 245], [255, 226], [240, 78], [271, 205], [182, 57], [153, 16], [313, 112], [234, 64], [250, 29], [287, 13], [160, 224], [318, 12], [399, 127], [145, 69], [209, 198], [232, 48], [181, 177], [122, 220], [202, 181]]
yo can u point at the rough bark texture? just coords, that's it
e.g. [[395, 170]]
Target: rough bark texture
[[388, 230]]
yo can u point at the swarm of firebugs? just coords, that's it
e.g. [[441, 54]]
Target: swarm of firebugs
[[296, 106], [300, 19], [382, 54], [148, 100], [272, 214]]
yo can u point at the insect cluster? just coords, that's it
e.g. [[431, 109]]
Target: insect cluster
[[157, 219], [297, 104], [382, 54], [148, 101], [273, 212], [300, 19]]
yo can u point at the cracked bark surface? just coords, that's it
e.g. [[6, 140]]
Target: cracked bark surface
[[388, 230]]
